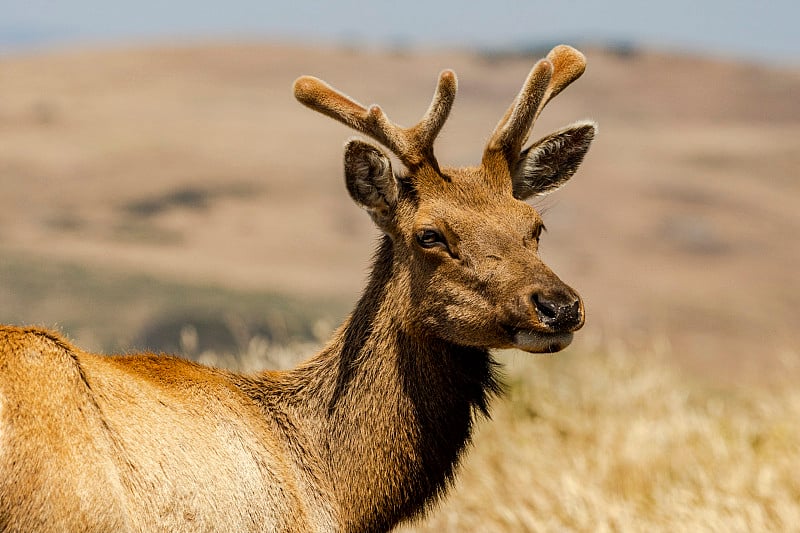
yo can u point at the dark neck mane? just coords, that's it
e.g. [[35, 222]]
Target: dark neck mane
[[388, 413]]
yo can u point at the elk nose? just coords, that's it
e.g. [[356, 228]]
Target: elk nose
[[558, 311]]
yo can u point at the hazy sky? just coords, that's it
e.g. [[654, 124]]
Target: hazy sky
[[757, 30]]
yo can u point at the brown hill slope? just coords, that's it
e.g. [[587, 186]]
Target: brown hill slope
[[197, 164]]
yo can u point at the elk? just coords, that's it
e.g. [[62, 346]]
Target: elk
[[364, 435]]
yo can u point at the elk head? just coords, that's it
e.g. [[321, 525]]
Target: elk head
[[464, 239]]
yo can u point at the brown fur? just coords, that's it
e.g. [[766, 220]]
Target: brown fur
[[364, 435]]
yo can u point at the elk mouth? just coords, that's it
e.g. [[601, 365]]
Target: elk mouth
[[539, 341]]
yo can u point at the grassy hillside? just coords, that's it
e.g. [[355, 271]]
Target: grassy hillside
[[194, 167]]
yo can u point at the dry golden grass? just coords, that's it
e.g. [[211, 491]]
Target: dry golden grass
[[611, 440]]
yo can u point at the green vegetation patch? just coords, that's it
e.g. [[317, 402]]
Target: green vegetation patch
[[109, 310]]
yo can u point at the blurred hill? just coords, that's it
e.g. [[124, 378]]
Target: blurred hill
[[192, 169]]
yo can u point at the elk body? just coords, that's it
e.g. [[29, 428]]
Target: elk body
[[365, 434]]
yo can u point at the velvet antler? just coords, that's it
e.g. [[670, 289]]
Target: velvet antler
[[548, 77], [414, 146]]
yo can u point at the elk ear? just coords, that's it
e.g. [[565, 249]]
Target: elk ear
[[552, 160], [370, 180]]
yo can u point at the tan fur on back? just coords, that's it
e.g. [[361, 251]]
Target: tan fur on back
[[116, 429]]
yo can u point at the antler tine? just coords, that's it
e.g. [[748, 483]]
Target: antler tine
[[321, 97], [568, 65], [511, 132], [431, 124], [548, 77], [412, 145]]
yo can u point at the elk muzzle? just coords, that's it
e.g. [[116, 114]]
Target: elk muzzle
[[558, 310], [552, 315]]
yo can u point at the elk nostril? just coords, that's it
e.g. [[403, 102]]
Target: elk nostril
[[544, 307]]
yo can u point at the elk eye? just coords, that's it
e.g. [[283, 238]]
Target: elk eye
[[429, 238]]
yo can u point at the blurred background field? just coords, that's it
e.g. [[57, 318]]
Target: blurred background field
[[135, 176], [169, 194]]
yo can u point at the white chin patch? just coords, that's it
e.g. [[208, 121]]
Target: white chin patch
[[538, 342]]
